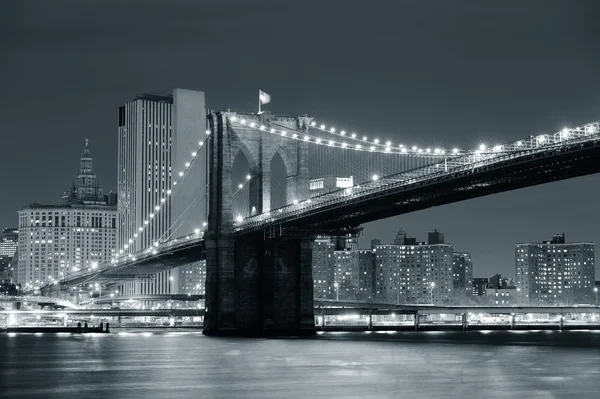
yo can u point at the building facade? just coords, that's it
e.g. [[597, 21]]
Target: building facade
[[435, 237], [555, 272], [366, 275], [9, 241], [192, 278], [413, 273], [157, 138], [480, 285], [505, 296], [322, 261], [79, 233], [345, 274], [462, 271]]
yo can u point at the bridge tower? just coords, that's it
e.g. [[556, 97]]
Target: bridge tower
[[258, 283]]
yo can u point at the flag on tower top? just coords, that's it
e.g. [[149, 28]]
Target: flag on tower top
[[264, 97]]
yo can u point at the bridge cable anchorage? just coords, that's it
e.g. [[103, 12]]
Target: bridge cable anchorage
[[464, 161]]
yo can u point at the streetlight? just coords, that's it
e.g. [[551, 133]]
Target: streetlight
[[432, 285], [337, 292], [596, 291], [518, 291]]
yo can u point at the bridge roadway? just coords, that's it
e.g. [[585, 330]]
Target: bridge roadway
[[166, 256], [537, 160]]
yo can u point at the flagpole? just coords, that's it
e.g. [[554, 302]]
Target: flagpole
[[259, 102]]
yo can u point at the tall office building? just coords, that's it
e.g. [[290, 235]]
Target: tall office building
[[462, 272], [413, 273], [322, 261], [555, 272], [78, 233], [157, 137], [9, 241]]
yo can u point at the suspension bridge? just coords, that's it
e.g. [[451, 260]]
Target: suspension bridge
[[302, 179]]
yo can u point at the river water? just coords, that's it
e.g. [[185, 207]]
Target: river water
[[330, 365]]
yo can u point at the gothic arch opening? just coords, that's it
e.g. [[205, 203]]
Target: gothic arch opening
[[278, 182], [243, 200]]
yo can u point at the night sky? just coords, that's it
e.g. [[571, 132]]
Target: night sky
[[439, 73]]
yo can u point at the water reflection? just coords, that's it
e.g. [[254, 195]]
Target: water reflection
[[345, 365]]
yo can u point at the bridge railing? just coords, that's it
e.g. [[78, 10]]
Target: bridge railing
[[473, 160]]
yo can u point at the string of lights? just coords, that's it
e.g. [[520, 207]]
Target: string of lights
[[352, 141], [122, 252]]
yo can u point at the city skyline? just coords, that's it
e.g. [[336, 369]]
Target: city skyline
[[299, 198], [454, 72]]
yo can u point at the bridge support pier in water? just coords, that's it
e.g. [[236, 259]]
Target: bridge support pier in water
[[258, 286]]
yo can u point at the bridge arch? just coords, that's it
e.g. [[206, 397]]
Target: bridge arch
[[280, 178]]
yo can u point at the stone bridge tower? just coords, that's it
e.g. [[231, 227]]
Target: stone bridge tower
[[256, 284]]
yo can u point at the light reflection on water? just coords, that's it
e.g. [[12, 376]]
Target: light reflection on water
[[349, 365]]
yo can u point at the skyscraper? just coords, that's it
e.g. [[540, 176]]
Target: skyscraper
[[555, 272], [76, 234], [158, 135]]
